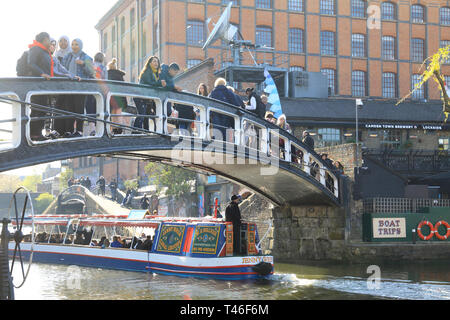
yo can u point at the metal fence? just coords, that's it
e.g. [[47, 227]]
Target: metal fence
[[401, 205]]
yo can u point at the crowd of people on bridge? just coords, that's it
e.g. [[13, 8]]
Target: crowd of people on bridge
[[49, 58]]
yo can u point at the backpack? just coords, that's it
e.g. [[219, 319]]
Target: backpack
[[22, 68]]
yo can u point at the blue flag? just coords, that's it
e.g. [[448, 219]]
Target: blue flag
[[273, 98]]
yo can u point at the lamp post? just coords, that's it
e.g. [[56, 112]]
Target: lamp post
[[358, 105]]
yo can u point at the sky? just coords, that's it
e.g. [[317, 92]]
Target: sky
[[22, 20]]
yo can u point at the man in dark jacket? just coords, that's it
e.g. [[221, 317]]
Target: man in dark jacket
[[255, 104], [308, 140], [167, 75], [222, 122], [233, 214]]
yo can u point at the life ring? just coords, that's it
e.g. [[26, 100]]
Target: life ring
[[419, 231], [440, 237]]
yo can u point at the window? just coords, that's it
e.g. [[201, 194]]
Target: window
[[358, 45], [329, 137], [419, 93], [417, 49], [444, 14], [358, 8], [331, 76], [192, 62], [296, 40], [195, 33], [144, 45], [132, 18], [132, 53], [143, 8], [388, 85], [443, 144], [105, 41], [226, 2], [358, 83], [113, 35], [295, 5], [296, 68], [123, 59], [391, 139], [264, 36], [327, 7], [155, 36], [327, 43], [388, 48], [417, 13], [263, 4], [388, 11], [445, 43], [122, 26]]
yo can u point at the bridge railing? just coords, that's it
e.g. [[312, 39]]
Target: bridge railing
[[154, 110]]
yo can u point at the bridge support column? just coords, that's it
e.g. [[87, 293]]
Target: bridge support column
[[309, 232]]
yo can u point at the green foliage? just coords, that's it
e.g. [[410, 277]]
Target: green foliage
[[42, 202], [177, 180], [31, 182], [64, 177], [131, 184]]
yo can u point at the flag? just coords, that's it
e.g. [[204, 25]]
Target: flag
[[273, 98]]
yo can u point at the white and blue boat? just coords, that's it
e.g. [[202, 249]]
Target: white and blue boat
[[186, 247]]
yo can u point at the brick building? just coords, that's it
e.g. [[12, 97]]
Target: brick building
[[377, 55]]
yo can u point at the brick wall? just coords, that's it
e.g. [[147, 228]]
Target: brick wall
[[201, 73], [345, 154]]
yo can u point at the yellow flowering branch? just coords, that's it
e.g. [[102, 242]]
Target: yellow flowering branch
[[434, 72]]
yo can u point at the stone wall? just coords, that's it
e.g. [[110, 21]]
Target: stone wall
[[308, 233]]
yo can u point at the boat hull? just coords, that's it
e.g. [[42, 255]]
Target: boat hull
[[223, 268]]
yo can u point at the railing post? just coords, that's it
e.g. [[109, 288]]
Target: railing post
[[306, 157]]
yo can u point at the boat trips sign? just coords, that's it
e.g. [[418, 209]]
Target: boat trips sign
[[205, 240], [389, 227], [171, 238]]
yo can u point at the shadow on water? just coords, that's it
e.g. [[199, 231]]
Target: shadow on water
[[303, 281]]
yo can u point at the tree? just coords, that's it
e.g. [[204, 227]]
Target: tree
[[64, 177], [177, 180], [433, 71], [43, 201], [9, 183], [31, 182], [131, 184]]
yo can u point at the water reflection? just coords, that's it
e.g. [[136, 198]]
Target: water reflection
[[290, 282]]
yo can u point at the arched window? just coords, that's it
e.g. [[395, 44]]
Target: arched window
[[359, 8], [359, 83], [358, 45], [444, 14], [417, 13], [388, 11]]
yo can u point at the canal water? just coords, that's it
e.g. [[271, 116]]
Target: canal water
[[312, 281]]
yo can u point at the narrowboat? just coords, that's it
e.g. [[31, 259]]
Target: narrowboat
[[186, 247]]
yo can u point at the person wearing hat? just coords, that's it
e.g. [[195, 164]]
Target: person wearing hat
[[233, 214], [269, 117], [308, 140]]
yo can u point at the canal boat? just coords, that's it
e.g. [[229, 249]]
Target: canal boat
[[186, 247]]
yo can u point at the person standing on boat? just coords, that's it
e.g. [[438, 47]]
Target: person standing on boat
[[233, 214]]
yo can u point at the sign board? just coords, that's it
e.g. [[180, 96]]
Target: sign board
[[171, 238], [205, 240], [389, 227]]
